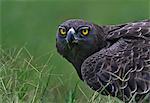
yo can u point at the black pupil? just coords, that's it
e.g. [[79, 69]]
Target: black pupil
[[84, 30], [63, 30]]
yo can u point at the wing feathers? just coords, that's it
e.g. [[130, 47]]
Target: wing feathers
[[123, 67], [132, 30]]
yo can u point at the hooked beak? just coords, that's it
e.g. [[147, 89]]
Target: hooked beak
[[71, 38]]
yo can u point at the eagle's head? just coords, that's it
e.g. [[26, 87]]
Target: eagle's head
[[77, 39]]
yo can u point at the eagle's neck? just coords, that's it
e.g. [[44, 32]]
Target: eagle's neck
[[78, 56]]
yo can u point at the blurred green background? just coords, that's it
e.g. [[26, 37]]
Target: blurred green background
[[33, 24]]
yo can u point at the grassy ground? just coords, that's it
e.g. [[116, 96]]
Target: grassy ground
[[23, 79]]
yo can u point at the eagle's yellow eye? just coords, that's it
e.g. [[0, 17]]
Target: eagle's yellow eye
[[85, 32], [62, 32]]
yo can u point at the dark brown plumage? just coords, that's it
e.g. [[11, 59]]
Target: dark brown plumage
[[117, 58]]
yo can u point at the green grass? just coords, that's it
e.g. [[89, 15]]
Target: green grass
[[22, 79], [25, 79]]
